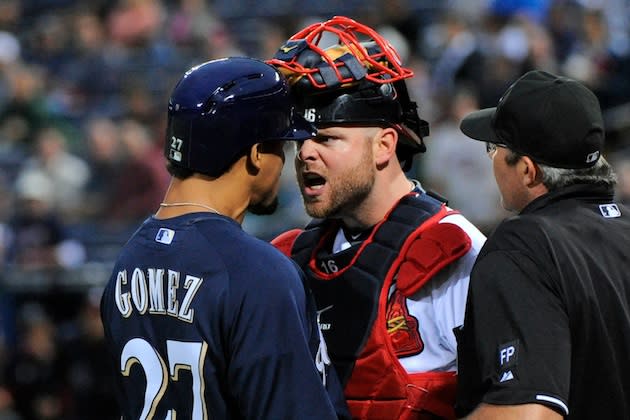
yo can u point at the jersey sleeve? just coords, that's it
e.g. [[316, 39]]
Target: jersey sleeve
[[449, 296], [514, 347], [272, 371], [440, 305]]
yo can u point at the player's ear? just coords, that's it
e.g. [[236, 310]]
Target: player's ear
[[254, 158], [385, 140], [260, 151]]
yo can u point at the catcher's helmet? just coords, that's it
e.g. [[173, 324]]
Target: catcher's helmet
[[358, 81], [221, 108]]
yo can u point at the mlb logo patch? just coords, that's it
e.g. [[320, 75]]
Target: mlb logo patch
[[610, 210], [175, 155], [165, 236]]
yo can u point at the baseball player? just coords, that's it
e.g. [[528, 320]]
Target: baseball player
[[388, 262], [202, 320]]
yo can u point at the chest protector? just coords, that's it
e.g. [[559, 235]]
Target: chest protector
[[351, 289]]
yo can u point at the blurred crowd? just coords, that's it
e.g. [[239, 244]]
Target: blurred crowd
[[83, 94]]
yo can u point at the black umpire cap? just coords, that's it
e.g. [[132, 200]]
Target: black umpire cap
[[554, 120]]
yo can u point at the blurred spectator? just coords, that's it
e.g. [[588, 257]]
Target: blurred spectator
[[534, 9], [7, 351], [140, 104], [105, 158], [10, 14], [7, 204], [67, 173], [143, 52], [593, 62], [459, 170], [9, 48], [142, 180], [135, 22], [39, 238], [541, 52], [190, 23], [562, 25], [46, 43], [398, 41], [399, 14], [7, 304], [272, 34], [621, 163], [24, 113], [460, 59], [33, 372], [88, 379], [220, 42], [91, 80]]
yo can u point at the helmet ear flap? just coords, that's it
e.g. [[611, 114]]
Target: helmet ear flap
[[415, 127]]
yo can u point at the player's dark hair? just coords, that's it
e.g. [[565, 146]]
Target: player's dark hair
[[180, 172]]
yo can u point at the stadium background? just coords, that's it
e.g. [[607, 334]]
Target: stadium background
[[83, 93]]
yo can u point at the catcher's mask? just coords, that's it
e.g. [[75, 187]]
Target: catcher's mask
[[358, 81]]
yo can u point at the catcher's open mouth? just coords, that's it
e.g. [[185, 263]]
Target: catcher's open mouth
[[312, 180]]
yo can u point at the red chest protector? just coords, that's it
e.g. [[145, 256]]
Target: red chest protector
[[351, 293]]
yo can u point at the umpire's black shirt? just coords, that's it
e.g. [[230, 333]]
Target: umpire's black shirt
[[548, 311]]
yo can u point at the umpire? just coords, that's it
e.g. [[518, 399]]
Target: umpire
[[547, 326]]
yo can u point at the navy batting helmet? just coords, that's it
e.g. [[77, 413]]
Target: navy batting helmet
[[221, 108], [358, 81]]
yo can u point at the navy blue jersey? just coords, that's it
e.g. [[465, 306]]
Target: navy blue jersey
[[207, 322]]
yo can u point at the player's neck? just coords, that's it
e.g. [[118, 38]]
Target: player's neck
[[199, 193]]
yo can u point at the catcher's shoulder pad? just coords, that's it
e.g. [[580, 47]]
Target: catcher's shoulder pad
[[284, 242], [430, 251]]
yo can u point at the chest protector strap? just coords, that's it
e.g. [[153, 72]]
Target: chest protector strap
[[351, 290]]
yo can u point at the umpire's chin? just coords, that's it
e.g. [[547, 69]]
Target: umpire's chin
[[264, 209]]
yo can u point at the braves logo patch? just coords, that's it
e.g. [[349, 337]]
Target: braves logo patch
[[403, 327]]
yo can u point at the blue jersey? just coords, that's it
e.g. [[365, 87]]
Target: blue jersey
[[205, 321]]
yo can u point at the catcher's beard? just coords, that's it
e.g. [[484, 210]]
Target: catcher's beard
[[345, 198], [261, 209], [348, 189]]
